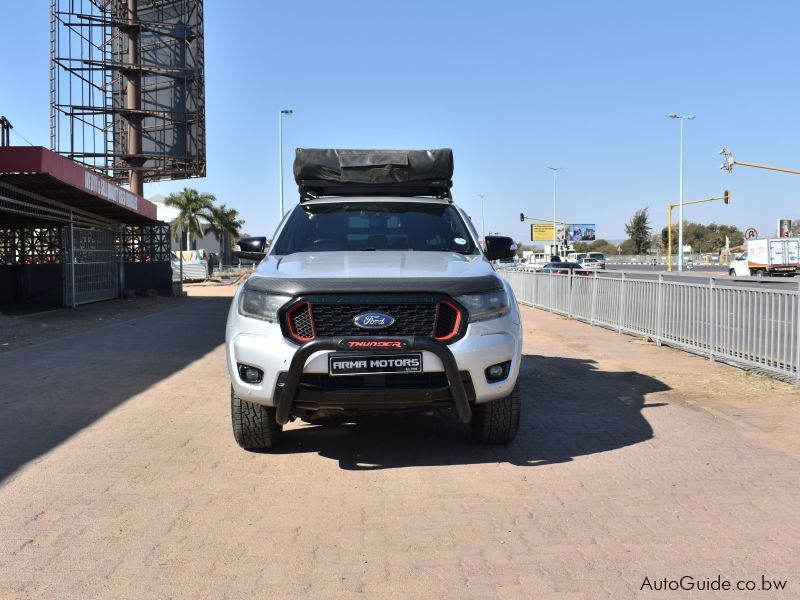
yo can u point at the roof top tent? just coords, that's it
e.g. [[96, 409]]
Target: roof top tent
[[330, 172], [69, 235]]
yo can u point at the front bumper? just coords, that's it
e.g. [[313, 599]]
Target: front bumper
[[262, 345], [289, 389]]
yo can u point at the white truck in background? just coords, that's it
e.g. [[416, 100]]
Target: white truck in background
[[769, 256], [533, 261]]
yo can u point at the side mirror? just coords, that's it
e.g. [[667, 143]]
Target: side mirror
[[500, 247], [252, 248]]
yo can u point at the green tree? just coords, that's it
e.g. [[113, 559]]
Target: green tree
[[192, 207], [639, 231], [581, 246], [603, 246], [222, 222], [628, 247], [704, 238]]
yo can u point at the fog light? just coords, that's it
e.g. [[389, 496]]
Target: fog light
[[497, 372], [250, 374]]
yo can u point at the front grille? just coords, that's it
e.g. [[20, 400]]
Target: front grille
[[300, 322], [410, 319], [423, 315]]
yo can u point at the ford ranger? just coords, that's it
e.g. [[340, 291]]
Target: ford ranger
[[374, 297]]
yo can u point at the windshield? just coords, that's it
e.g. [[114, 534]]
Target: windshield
[[377, 226]]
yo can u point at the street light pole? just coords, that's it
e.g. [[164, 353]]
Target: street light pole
[[555, 171], [680, 204], [483, 220], [285, 111]]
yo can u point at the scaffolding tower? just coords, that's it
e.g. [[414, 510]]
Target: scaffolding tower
[[127, 87]]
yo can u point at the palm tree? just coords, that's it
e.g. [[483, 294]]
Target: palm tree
[[192, 206], [223, 221]]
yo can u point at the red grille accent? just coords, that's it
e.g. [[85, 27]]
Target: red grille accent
[[301, 322], [448, 321]]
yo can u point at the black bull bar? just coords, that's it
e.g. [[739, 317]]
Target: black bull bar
[[300, 357]]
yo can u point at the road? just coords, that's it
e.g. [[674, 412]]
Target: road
[[663, 268], [701, 273], [119, 476]]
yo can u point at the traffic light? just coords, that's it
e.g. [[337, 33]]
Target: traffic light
[[521, 217], [726, 197]]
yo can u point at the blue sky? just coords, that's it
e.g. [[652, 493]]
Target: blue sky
[[512, 87]]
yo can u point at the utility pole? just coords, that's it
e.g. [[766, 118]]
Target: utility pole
[[555, 171], [680, 204], [483, 221], [285, 111]]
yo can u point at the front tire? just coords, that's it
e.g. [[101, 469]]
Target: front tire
[[497, 422], [254, 425]]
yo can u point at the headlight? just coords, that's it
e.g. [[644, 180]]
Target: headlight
[[485, 306], [260, 305]]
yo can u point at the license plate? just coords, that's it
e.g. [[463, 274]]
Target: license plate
[[374, 364]]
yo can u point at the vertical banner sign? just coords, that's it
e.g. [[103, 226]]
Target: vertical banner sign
[[785, 228], [581, 232], [542, 233]]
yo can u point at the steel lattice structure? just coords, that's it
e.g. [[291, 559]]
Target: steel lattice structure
[[146, 244], [30, 246], [45, 245], [127, 87]]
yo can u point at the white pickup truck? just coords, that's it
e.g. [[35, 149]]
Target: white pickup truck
[[769, 256]]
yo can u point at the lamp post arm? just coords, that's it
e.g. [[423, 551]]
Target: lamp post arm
[[757, 166]]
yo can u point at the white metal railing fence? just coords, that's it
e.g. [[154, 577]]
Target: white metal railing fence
[[755, 326]]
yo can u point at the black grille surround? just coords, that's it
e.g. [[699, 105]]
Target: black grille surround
[[426, 315]]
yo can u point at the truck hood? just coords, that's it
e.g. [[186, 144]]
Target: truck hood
[[375, 272]]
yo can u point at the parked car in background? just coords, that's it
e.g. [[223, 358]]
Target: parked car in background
[[595, 259], [565, 268], [576, 256]]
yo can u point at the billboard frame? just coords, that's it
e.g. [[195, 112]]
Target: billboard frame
[[106, 58]]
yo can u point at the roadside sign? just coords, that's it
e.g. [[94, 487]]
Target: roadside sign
[[784, 228], [541, 233], [750, 233]]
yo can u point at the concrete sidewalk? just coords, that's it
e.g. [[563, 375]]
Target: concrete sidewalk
[[122, 479], [759, 407]]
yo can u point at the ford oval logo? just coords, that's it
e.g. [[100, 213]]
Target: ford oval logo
[[373, 320]]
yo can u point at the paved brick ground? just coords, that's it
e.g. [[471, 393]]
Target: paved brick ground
[[119, 477]]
